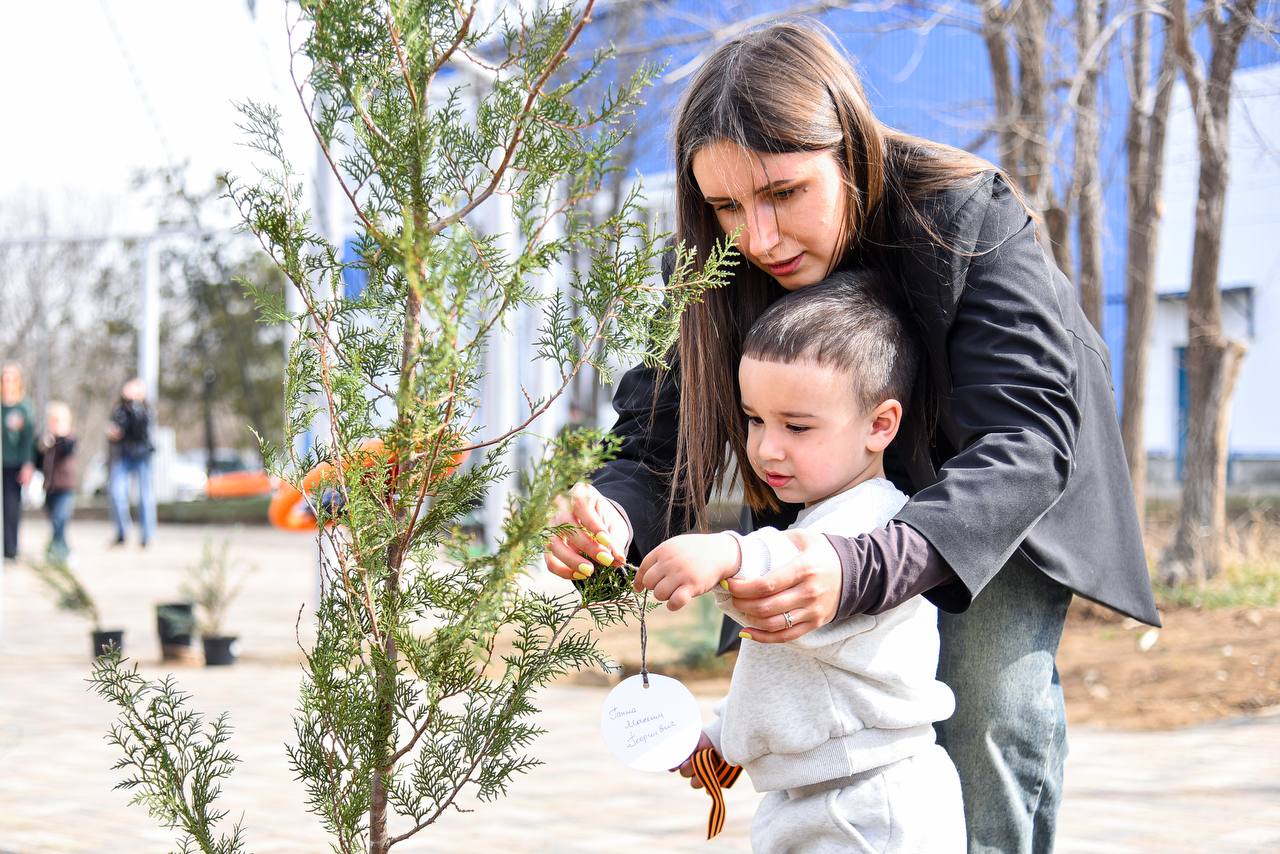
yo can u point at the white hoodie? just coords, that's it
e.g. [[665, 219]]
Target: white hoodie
[[850, 696]]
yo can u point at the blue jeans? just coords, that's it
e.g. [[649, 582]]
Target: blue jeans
[[59, 505], [121, 469], [1008, 736]]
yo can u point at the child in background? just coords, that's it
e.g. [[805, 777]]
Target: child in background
[[55, 454], [836, 726]]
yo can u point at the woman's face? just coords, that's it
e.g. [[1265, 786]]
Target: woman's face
[[11, 384], [790, 208]]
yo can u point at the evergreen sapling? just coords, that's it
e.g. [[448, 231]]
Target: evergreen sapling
[[418, 690]]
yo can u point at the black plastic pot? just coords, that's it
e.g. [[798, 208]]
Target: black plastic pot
[[176, 625], [219, 650], [104, 639]]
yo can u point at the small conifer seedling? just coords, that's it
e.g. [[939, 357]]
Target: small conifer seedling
[[418, 690]]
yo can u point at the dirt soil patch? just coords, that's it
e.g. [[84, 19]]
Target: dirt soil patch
[[1203, 665], [1116, 673]]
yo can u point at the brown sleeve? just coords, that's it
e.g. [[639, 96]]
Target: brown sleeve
[[886, 567]]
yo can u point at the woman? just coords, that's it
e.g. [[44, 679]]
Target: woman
[[129, 435], [17, 452], [1020, 491]]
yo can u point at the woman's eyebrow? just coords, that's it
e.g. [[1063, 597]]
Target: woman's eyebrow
[[767, 188]]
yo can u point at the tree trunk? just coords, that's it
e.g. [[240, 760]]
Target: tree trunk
[[208, 389], [1087, 181], [1213, 362], [1057, 230], [1145, 137], [994, 23], [1213, 365], [1030, 19]]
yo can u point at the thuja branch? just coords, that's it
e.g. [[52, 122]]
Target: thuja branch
[[175, 761], [565, 381], [534, 92], [566, 619], [400, 711]]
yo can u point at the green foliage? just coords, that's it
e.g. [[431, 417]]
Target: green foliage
[[219, 357], [215, 511], [69, 594], [212, 584], [1252, 584], [419, 687], [175, 761], [1251, 559]]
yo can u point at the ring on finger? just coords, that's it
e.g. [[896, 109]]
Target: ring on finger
[[786, 615]]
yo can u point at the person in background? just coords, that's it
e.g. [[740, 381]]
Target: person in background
[[17, 451], [131, 450], [55, 455]]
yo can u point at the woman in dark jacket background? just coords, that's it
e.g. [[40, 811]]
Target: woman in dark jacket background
[[1020, 491]]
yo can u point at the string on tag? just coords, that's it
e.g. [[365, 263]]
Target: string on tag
[[644, 640]]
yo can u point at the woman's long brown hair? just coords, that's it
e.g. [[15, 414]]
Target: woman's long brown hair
[[782, 88]]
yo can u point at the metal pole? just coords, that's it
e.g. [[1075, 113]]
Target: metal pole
[[542, 376], [149, 323], [502, 379], [322, 185]]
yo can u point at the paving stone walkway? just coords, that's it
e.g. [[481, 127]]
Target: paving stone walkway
[[1212, 788]]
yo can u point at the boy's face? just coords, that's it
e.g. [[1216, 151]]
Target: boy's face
[[58, 421], [806, 435]]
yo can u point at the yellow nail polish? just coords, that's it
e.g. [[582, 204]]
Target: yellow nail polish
[[724, 584], [586, 568], [579, 576], [604, 558], [602, 538], [745, 635]]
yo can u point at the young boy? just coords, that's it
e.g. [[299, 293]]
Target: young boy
[[56, 450], [835, 726]]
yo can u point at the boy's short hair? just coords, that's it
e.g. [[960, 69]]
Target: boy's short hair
[[58, 408], [846, 322]]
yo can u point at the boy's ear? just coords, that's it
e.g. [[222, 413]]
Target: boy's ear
[[885, 420]]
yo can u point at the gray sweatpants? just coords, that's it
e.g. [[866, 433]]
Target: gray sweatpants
[[910, 807]]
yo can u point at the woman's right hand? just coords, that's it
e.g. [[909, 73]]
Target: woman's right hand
[[601, 536]]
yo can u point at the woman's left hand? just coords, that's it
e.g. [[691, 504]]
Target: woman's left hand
[[807, 587]]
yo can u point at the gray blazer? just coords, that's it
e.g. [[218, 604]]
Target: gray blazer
[[1025, 460]]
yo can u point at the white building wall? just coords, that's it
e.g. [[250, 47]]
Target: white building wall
[[1170, 327], [1250, 257]]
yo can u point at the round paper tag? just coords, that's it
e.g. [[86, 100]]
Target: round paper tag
[[654, 728]]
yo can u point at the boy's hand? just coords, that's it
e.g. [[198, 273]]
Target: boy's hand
[[686, 767], [687, 566]]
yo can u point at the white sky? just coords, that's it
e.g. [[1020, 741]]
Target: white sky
[[97, 89]]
